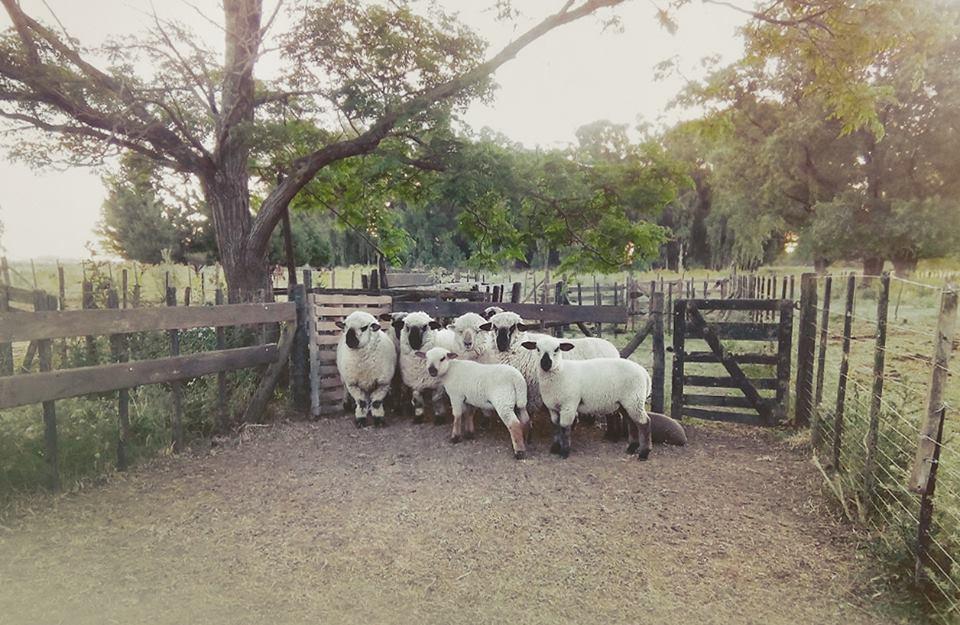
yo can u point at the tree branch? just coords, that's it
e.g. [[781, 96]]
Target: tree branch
[[305, 168]]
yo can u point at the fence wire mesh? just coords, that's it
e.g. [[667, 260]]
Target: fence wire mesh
[[871, 480]]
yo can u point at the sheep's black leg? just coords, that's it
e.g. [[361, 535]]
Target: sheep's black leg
[[557, 447], [565, 441]]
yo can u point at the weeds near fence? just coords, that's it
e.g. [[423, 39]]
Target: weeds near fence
[[873, 396]]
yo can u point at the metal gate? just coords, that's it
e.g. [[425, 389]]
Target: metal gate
[[689, 322]]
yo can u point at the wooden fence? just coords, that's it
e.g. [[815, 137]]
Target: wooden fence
[[46, 324]]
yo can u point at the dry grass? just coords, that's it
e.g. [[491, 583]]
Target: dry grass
[[321, 523]]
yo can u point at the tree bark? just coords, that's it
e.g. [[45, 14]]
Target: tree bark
[[872, 266]]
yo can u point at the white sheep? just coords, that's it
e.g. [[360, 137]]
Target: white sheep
[[472, 342], [421, 332], [490, 311], [484, 386], [597, 386], [509, 332], [366, 361], [399, 396]]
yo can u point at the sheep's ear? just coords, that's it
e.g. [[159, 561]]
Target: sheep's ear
[[435, 325], [487, 314], [567, 346], [524, 327], [385, 317], [486, 327], [420, 355], [529, 345], [340, 324], [451, 355], [374, 327]]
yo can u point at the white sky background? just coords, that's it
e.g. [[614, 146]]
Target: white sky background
[[570, 77]]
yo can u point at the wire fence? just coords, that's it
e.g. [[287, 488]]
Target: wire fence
[[881, 380]]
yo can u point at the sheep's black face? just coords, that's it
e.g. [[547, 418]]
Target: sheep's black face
[[397, 327], [415, 336], [352, 341], [546, 363], [503, 338], [432, 371]]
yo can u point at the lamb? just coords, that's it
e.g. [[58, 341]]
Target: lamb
[[597, 386], [420, 332], [484, 386], [366, 361]]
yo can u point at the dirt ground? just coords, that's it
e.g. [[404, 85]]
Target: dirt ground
[[321, 523]]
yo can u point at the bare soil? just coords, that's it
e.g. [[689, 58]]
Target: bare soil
[[321, 523]]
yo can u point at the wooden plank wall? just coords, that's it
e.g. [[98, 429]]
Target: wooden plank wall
[[326, 387]]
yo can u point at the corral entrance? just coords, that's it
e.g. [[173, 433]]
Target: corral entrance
[[719, 321]]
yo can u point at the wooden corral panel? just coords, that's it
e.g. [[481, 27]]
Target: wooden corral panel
[[326, 388]]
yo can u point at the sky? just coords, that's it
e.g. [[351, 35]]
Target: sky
[[571, 77]]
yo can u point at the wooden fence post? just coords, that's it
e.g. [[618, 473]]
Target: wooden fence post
[[925, 519], [659, 355], [806, 343], [87, 304], [119, 352], [816, 427], [844, 369], [676, 384], [515, 293], [669, 308], [927, 447], [223, 420], [44, 302], [785, 351], [176, 387], [299, 355], [6, 349], [879, 353]]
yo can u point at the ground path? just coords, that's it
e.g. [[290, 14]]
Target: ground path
[[320, 523]]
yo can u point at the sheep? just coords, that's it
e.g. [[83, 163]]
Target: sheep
[[420, 332], [472, 342], [596, 386], [485, 386], [490, 311], [399, 397], [366, 361], [509, 332]]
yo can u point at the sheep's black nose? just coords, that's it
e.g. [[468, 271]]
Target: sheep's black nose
[[352, 340], [503, 340], [432, 370], [545, 362], [415, 338]]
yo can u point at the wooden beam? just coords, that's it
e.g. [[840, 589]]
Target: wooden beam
[[739, 331], [541, 312], [33, 388], [766, 384], [69, 323], [740, 359], [720, 415], [271, 376], [735, 304]]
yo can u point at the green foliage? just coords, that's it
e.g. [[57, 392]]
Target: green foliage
[[143, 219]]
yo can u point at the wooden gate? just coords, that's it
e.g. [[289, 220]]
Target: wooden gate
[[689, 323]]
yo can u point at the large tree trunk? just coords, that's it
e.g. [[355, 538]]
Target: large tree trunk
[[904, 266], [872, 266], [245, 269]]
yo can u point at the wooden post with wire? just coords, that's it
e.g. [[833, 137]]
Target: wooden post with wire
[[879, 354], [928, 446], [844, 371], [176, 387], [815, 425], [806, 343]]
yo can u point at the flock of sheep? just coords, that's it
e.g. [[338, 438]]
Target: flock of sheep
[[491, 363]]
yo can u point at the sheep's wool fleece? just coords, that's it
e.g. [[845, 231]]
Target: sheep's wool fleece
[[370, 366], [597, 386], [486, 386], [413, 369]]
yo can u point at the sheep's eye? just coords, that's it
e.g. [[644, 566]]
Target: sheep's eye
[[556, 351], [443, 358], [364, 328]]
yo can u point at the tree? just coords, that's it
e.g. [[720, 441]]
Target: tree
[[383, 69], [148, 218], [784, 161]]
